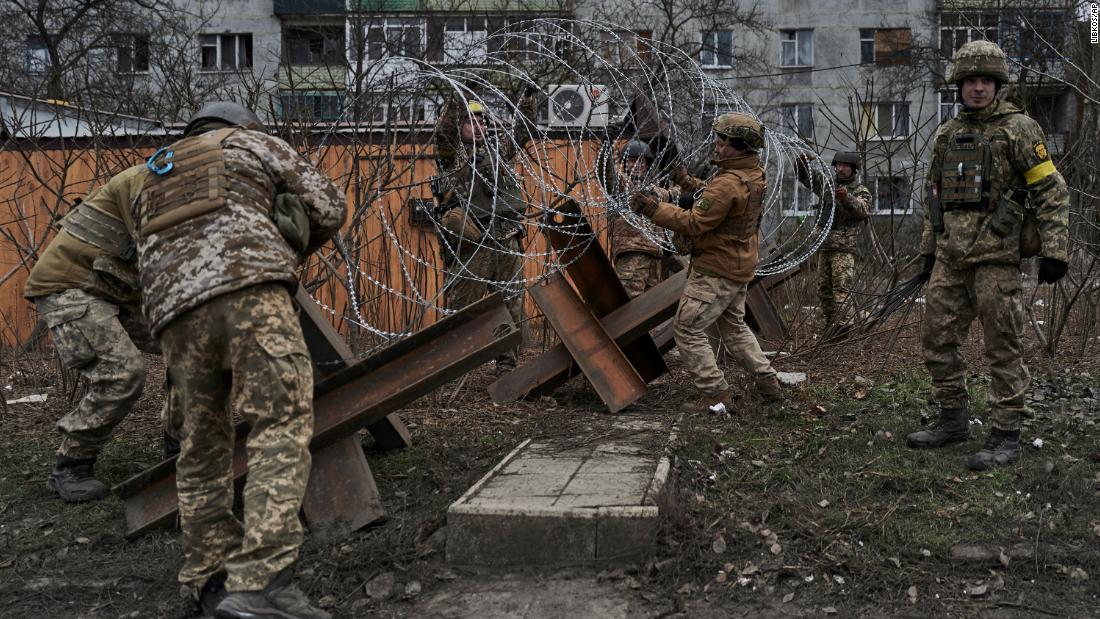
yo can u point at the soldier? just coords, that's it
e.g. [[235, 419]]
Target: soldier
[[724, 227], [636, 256], [986, 164], [481, 230], [217, 253], [85, 287], [851, 201]]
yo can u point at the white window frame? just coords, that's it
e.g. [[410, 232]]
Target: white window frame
[[865, 39], [468, 45], [876, 209], [795, 35], [799, 191], [422, 107], [37, 58], [946, 98], [215, 40], [894, 106], [712, 46], [973, 30], [391, 27], [792, 111]]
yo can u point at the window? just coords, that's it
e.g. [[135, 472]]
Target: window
[[225, 52], [717, 50], [395, 37], [323, 106], [885, 46], [892, 194], [37, 61], [322, 45], [958, 29], [465, 40], [795, 197], [884, 121], [949, 104], [798, 48], [866, 46], [401, 108], [798, 118], [625, 47], [1035, 36], [133, 53]]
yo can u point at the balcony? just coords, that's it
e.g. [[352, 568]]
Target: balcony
[[308, 7], [313, 77], [471, 6]]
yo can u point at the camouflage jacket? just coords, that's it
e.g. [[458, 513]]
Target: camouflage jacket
[[849, 214], [69, 262], [237, 245], [1020, 163], [724, 223], [485, 184]]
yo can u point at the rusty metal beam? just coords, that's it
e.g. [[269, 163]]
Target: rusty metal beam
[[603, 363], [330, 353], [625, 324], [597, 283], [762, 317], [354, 397]]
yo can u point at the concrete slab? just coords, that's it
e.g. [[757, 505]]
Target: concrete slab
[[569, 500]]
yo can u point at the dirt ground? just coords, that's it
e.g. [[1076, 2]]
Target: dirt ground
[[807, 509]]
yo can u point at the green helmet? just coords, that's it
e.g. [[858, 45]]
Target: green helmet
[[735, 125], [979, 58], [228, 112], [848, 157]]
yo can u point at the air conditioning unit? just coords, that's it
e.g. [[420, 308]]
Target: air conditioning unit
[[577, 106]]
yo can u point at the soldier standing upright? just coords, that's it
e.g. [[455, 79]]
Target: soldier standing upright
[[724, 227], [216, 254], [482, 228], [986, 165], [851, 204], [85, 286], [637, 257]]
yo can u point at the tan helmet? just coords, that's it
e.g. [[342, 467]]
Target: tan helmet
[[979, 58], [735, 125]]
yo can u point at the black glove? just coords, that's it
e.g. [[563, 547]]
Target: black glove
[[1051, 270], [929, 262]]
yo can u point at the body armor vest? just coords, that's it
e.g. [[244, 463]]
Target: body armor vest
[[744, 225], [199, 183], [967, 177]]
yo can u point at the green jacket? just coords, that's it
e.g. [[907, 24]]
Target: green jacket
[[1021, 164], [849, 215], [69, 262]]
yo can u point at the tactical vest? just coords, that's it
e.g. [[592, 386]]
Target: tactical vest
[[968, 180], [99, 229], [743, 226], [197, 184]]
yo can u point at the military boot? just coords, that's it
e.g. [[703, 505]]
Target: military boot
[[280, 599], [768, 388], [1001, 448], [953, 426], [212, 593], [715, 404], [74, 482]]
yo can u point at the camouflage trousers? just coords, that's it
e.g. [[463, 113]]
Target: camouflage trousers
[[638, 271], [468, 278], [836, 272], [707, 301], [100, 340], [954, 298], [241, 352]]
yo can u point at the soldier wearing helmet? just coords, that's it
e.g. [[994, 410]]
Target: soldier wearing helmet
[[637, 257], [723, 224], [990, 170], [851, 204], [216, 267], [481, 227]]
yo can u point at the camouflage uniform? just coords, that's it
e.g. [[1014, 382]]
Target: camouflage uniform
[[482, 230], [723, 225], [85, 289], [837, 269], [986, 165], [977, 268], [215, 273]]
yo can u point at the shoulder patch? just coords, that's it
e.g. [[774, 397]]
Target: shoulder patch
[[703, 206], [1041, 150]]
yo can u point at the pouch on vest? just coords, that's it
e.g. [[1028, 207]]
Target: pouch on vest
[[1005, 217], [197, 184], [291, 220], [965, 171], [1031, 244]]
